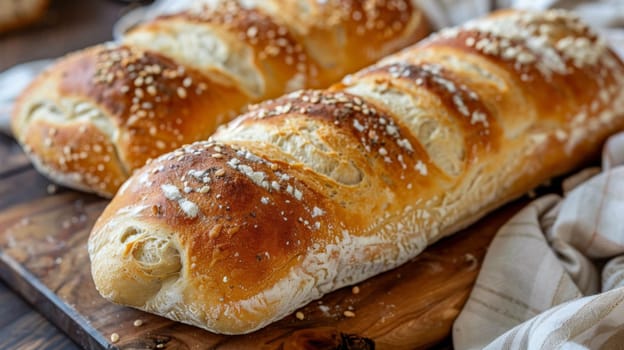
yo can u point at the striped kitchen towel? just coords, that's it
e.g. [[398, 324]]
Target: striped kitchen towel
[[553, 277]]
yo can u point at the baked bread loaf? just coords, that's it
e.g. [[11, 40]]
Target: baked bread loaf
[[18, 14], [321, 189], [98, 114]]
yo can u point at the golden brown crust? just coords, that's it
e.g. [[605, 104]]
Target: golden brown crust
[[435, 79], [173, 80], [81, 154], [19, 14], [322, 189], [278, 56], [132, 104]]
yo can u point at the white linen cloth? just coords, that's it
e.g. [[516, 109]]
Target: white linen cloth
[[544, 283], [12, 82]]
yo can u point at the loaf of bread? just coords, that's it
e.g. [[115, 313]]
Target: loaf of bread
[[99, 114], [320, 189], [16, 14]]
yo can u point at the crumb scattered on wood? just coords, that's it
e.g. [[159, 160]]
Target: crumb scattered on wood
[[51, 189], [349, 313], [472, 261], [114, 337]]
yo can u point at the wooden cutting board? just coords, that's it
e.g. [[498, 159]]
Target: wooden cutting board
[[43, 256]]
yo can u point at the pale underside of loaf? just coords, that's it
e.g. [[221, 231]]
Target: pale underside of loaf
[[321, 189], [174, 79]]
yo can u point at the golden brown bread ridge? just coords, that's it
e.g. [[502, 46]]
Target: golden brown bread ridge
[[98, 114], [322, 189]]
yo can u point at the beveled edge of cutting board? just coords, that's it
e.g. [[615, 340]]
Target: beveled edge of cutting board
[[50, 305]]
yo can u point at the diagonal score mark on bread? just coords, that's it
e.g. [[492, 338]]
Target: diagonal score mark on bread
[[173, 80], [320, 189]]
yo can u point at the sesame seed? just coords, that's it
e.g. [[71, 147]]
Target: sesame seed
[[252, 31], [187, 82], [355, 290], [349, 313], [220, 172], [181, 92], [137, 323], [300, 316], [275, 185], [356, 124]]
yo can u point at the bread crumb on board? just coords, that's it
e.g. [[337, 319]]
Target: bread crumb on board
[[114, 337], [349, 313], [51, 189]]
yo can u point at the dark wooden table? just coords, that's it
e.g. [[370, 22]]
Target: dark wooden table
[[68, 25]]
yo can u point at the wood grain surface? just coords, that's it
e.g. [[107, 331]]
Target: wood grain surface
[[69, 25], [20, 326], [24, 329], [43, 255]]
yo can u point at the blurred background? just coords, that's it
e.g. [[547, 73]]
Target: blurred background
[[36, 29]]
